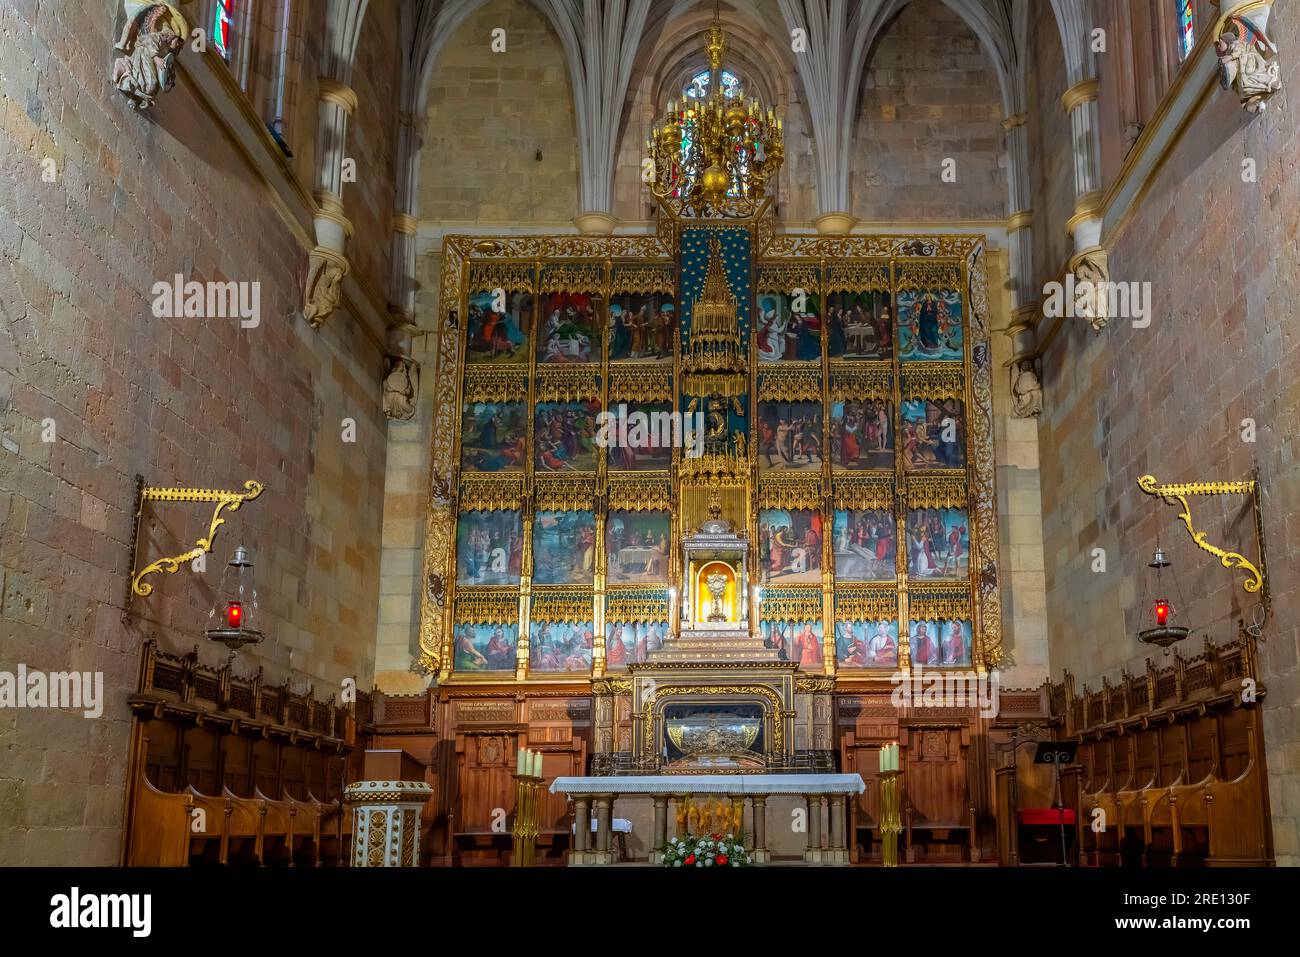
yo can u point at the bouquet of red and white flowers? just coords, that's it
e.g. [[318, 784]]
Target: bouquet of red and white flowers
[[707, 850]]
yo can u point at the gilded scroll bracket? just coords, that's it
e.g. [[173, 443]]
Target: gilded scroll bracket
[[222, 500], [1178, 494]]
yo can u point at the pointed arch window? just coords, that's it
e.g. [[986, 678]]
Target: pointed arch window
[[698, 87], [1186, 28]]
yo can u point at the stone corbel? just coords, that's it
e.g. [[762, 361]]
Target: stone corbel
[[1026, 390], [1091, 271], [401, 386], [324, 289], [152, 38], [1248, 62]]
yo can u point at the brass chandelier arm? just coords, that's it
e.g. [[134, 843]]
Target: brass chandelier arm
[[224, 501], [1177, 495]]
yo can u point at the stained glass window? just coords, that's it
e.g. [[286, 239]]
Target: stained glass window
[[698, 88], [221, 27], [1186, 28]]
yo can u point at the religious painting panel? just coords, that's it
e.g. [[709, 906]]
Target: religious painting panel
[[560, 646], [938, 543], [641, 327], [867, 643], [866, 545], [790, 435], [859, 325], [640, 436], [790, 544], [564, 548], [486, 647], [789, 327], [494, 437], [941, 643], [934, 433], [564, 436], [570, 328], [637, 547], [498, 325], [930, 324], [862, 434], [630, 642], [799, 641], [489, 548]]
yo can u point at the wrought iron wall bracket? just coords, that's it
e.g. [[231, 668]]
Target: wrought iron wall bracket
[[222, 500], [1177, 494]]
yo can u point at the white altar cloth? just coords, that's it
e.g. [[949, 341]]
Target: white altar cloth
[[734, 784]]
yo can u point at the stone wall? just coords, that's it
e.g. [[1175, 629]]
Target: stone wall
[[929, 93], [1051, 156], [1221, 257], [94, 389], [372, 142], [500, 134]]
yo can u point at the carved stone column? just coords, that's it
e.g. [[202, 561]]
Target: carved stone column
[[1088, 264], [661, 829], [813, 851], [759, 805], [581, 825], [604, 807], [838, 850], [328, 263], [386, 822]]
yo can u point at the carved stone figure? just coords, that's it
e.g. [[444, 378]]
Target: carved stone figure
[[324, 289], [1026, 392], [401, 387], [1092, 282], [150, 44], [1248, 63]]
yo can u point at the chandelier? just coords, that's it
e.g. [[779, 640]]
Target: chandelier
[[714, 157]]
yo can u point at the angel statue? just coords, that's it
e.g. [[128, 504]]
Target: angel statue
[[151, 43], [1248, 63]]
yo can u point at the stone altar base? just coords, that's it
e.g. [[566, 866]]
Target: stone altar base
[[773, 804]]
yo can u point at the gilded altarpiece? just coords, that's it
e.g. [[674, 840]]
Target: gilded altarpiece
[[852, 443]]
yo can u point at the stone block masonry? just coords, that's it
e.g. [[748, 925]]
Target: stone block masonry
[[137, 199]]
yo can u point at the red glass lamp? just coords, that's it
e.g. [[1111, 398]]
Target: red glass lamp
[[1161, 630], [233, 619]]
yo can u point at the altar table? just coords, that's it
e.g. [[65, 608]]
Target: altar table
[[829, 792]]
